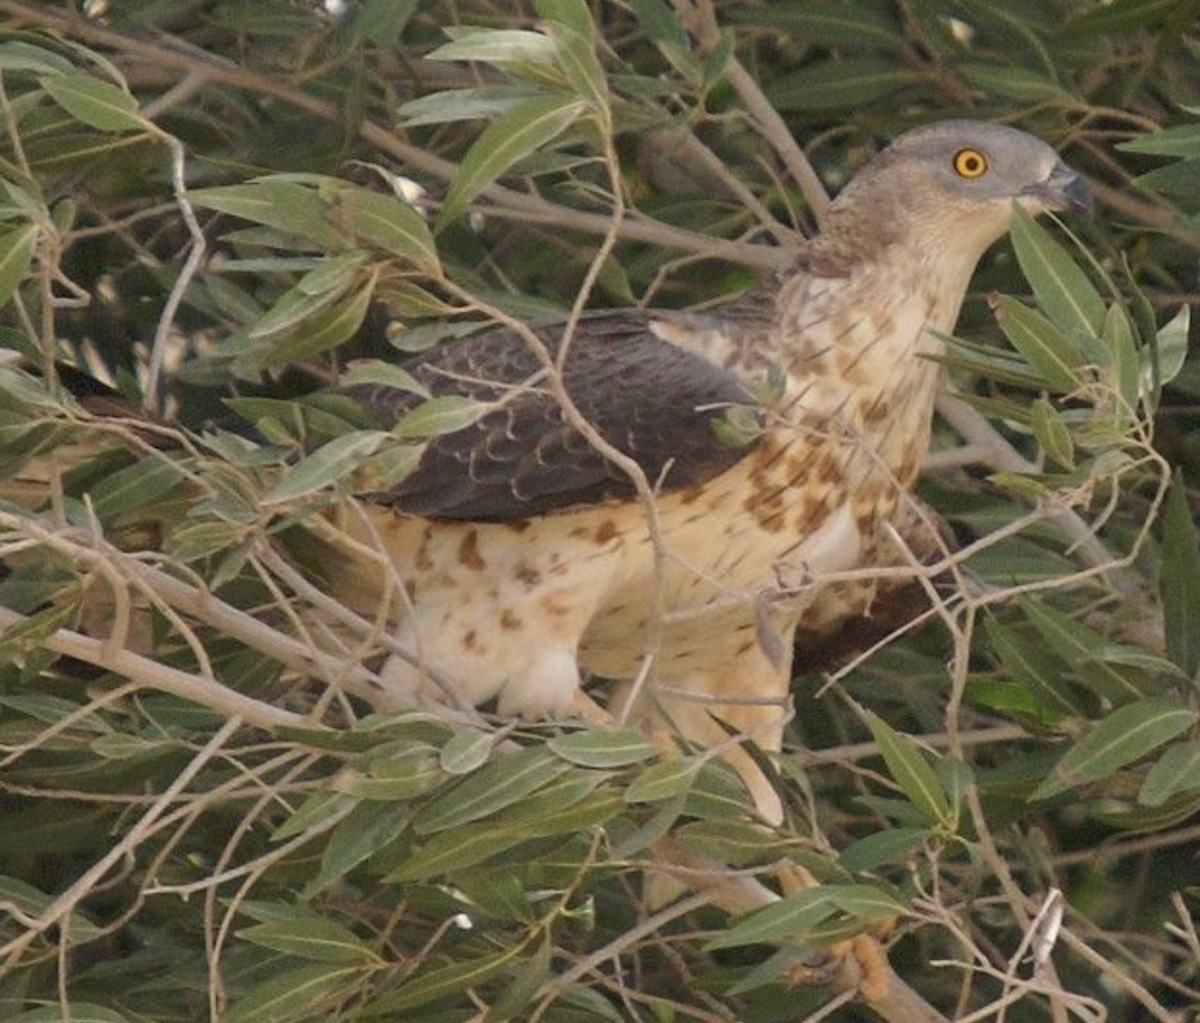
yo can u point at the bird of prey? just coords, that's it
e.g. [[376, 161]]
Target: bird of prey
[[527, 557]]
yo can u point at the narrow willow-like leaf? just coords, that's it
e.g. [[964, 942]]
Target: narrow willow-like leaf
[[328, 464], [1183, 141], [1179, 580], [1063, 290], [509, 138], [604, 747], [1171, 342], [499, 784], [437, 982], [1177, 770], [1042, 344], [1126, 735], [319, 940], [1123, 370], [910, 770], [136, 486], [452, 851], [98, 104], [526, 981], [16, 255], [1040, 671], [789, 917], [438, 416], [382, 374], [883, 848], [866, 901], [577, 58], [1077, 643], [483, 103], [320, 333], [392, 225], [80, 1012], [1052, 433], [283, 205], [361, 834], [465, 752], [663, 781], [496, 46], [292, 994]]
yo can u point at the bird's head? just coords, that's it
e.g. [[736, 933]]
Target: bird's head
[[950, 187]]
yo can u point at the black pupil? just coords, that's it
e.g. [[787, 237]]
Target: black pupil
[[971, 164]]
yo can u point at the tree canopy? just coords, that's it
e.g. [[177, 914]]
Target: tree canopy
[[219, 207]]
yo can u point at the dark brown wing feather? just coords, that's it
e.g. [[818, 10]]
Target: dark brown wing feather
[[648, 398]]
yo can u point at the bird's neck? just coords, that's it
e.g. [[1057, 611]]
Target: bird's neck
[[855, 347]]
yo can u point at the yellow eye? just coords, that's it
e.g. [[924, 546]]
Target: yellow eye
[[970, 163]]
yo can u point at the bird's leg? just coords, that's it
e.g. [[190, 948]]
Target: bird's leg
[[757, 692]]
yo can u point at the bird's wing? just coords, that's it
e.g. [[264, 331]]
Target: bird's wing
[[651, 399]]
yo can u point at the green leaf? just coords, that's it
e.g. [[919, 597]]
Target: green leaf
[[883, 848], [1041, 672], [438, 416], [1052, 433], [20, 56], [292, 994], [662, 781], [283, 205], [1123, 370], [910, 770], [1042, 344], [839, 23], [662, 27], [465, 752], [1126, 735], [790, 917], [577, 58], [294, 307], [452, 851], [366, 830], [1183, 141], [1177, 770], [1171, 343], [431, 984], [98, 104], [496, 46], [1063, 290], [384, 21], [313, 812], [378, 373], [735, 842], [1012, 81], [16, 255], [81, 1012], [313, 938], [509, 138], [840, 83], [499, 784], [132, 488], [1077, 643], [328, 464], [527, 981], [574, 14], [389, 224], [484, 103], [604, 747], [1179, 580], [866, 901], [326, 330]]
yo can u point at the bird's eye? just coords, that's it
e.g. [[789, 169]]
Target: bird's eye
[[970, 163]]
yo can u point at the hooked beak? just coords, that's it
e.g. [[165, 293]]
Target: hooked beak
[[1063, 190]]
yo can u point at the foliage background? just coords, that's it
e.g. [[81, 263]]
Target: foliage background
[[202, 818]]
